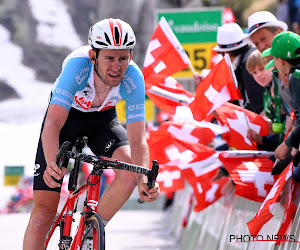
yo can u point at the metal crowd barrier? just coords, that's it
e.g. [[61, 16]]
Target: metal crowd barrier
[[214, 227]]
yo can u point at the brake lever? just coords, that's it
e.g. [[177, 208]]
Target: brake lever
[[151, 178], [62, 159]]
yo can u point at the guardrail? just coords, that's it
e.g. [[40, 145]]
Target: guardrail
[[216, 226]]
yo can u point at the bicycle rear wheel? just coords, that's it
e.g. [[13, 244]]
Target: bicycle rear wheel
[[94, 234]]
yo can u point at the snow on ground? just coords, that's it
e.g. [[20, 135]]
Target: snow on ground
[[55, 26], [20, 119], [34, 94]]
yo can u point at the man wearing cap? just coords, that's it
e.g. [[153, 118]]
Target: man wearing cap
[[286, 52], [232, 40], [263, 26]]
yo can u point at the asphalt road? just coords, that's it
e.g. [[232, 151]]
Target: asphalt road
[[128, 230]]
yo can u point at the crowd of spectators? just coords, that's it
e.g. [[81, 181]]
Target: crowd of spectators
[[265, 86]]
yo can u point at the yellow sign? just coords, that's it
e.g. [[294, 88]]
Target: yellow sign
[[200, 56], [12, 175], [11, 180], [149, 107]]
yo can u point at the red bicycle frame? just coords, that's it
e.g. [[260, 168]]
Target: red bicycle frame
[[93, 190], [92, 201]]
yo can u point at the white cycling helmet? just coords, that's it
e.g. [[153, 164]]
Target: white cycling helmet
[[111, 34]]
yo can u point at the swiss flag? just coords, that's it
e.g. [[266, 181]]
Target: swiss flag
[[198, 133], [170, 179], [215, 58], [168, 95], [234, 118], [184, 114], [289, 212], [228, 16], [165, 55], [206, 192], [198, 174], [252, 176], [168, 150], [264, 213], [192, 159], [216, 88]]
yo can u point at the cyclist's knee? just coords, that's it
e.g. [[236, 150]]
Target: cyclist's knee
[[41, 217], [127, 178]]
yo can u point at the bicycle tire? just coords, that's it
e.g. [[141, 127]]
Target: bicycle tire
[[94, 233], [54, 241], [55, 237]]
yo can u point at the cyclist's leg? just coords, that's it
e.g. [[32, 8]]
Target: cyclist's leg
[[119, 191], [45, 201], [110, 139], [42, 215]]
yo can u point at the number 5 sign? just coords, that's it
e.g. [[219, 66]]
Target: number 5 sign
[[196, 30]]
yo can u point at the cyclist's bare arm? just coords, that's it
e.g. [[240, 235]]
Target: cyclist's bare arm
[[55, 119], [140, 156]]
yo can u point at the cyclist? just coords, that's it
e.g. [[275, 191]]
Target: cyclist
[[93, 79]]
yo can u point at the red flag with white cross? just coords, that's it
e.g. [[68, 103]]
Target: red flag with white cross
[[168, 95], [168, 150], [251, 175], [216, 88], [197, 163], [201, 132], [207, 192], [199, 174], [289, 212], [170, 179], [234, 118], [264, 214], [165, 55]]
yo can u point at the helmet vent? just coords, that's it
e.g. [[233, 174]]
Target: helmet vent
[[125, 39], [102, 43], [107, 38], [131, 43], [117, 35]]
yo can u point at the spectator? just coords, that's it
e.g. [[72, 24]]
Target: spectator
[[263, 26], [232, 40], [273, 106], [286, 52]]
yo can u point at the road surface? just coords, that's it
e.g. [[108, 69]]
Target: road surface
[[128, 230]]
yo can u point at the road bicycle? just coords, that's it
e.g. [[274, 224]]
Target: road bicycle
[[89, 232]]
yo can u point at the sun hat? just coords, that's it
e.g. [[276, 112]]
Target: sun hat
[[284, 45], [262, 19], [230, 37]]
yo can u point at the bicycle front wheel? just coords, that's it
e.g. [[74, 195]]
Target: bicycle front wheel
[[94, 234], [54, 241]]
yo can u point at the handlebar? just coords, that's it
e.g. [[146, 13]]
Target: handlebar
[[103, 162], [151, 178], [62, 159]]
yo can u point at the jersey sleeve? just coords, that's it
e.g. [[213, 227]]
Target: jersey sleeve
[[73, 78], [133, 91]]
